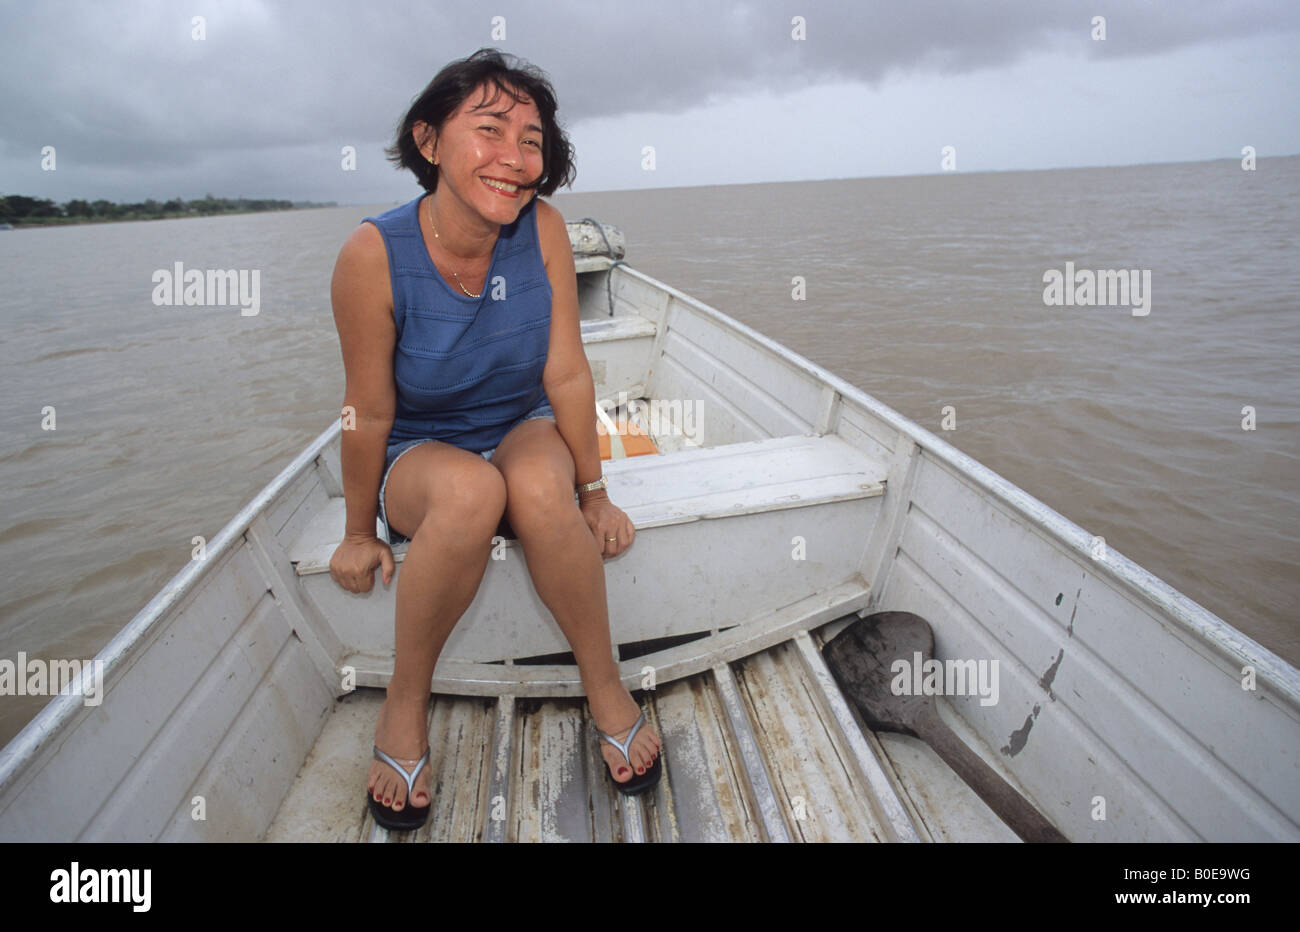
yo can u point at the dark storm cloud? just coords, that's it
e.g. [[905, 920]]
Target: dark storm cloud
[[125, 85]]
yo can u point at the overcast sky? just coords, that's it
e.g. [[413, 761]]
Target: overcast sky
[[262, 106]]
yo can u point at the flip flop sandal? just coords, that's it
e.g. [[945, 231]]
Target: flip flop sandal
[[638, 784], [409, 817]]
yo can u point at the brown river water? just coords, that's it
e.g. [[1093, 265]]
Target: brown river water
[[924, 291]]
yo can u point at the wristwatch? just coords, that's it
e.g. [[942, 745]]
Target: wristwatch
[[600, 483]]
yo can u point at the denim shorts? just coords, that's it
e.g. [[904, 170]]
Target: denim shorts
[[397, 449]]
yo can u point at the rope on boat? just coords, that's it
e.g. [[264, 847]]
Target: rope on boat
[[600, 228], [609, 284], [609, 251]]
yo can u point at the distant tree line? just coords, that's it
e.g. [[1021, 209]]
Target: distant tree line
[[19, 210]]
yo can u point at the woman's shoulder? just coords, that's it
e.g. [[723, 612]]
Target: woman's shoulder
[[365, 246], [547, 215], [398, 216], [552, 234]]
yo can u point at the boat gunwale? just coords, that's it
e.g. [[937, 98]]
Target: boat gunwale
[[61, 709]]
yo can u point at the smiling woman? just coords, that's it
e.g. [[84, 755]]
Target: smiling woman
[[486, 70], [458, 320]]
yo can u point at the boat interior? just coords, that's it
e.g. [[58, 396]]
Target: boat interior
[[774, 504]]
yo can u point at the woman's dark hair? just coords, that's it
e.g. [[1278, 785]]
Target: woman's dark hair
[[450, 88]]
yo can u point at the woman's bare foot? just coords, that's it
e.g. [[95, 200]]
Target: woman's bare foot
[[615, 712], [403, 734]]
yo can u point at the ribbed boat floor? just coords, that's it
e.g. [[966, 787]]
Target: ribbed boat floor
[[754, 751]]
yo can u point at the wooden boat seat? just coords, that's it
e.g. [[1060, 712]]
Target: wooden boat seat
[[618, 351], [684, 486], [695, 484], [800, 504], [623, 327]]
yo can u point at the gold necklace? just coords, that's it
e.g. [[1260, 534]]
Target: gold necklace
[[453, 271]]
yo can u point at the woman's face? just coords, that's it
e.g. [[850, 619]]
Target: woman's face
[[484, 146]]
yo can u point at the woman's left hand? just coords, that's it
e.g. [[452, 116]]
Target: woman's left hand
[[611, 527]]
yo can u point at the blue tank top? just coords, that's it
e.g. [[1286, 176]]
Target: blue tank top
[[466, 368]]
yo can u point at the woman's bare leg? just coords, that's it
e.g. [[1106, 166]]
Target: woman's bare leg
[[453, 501], [568, 571]]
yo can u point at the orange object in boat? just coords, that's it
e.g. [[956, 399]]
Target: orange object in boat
[[636, 442]]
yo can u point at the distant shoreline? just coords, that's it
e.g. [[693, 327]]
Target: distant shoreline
[[18, 210], [27, 222]]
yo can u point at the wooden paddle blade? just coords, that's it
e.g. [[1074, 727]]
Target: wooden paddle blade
[[861, 658]]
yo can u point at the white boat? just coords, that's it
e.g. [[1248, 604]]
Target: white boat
[[783, 504]]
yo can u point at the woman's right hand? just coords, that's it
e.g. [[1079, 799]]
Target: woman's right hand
[[353, 564]]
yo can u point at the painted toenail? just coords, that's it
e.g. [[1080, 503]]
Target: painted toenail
[[621, 771]]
